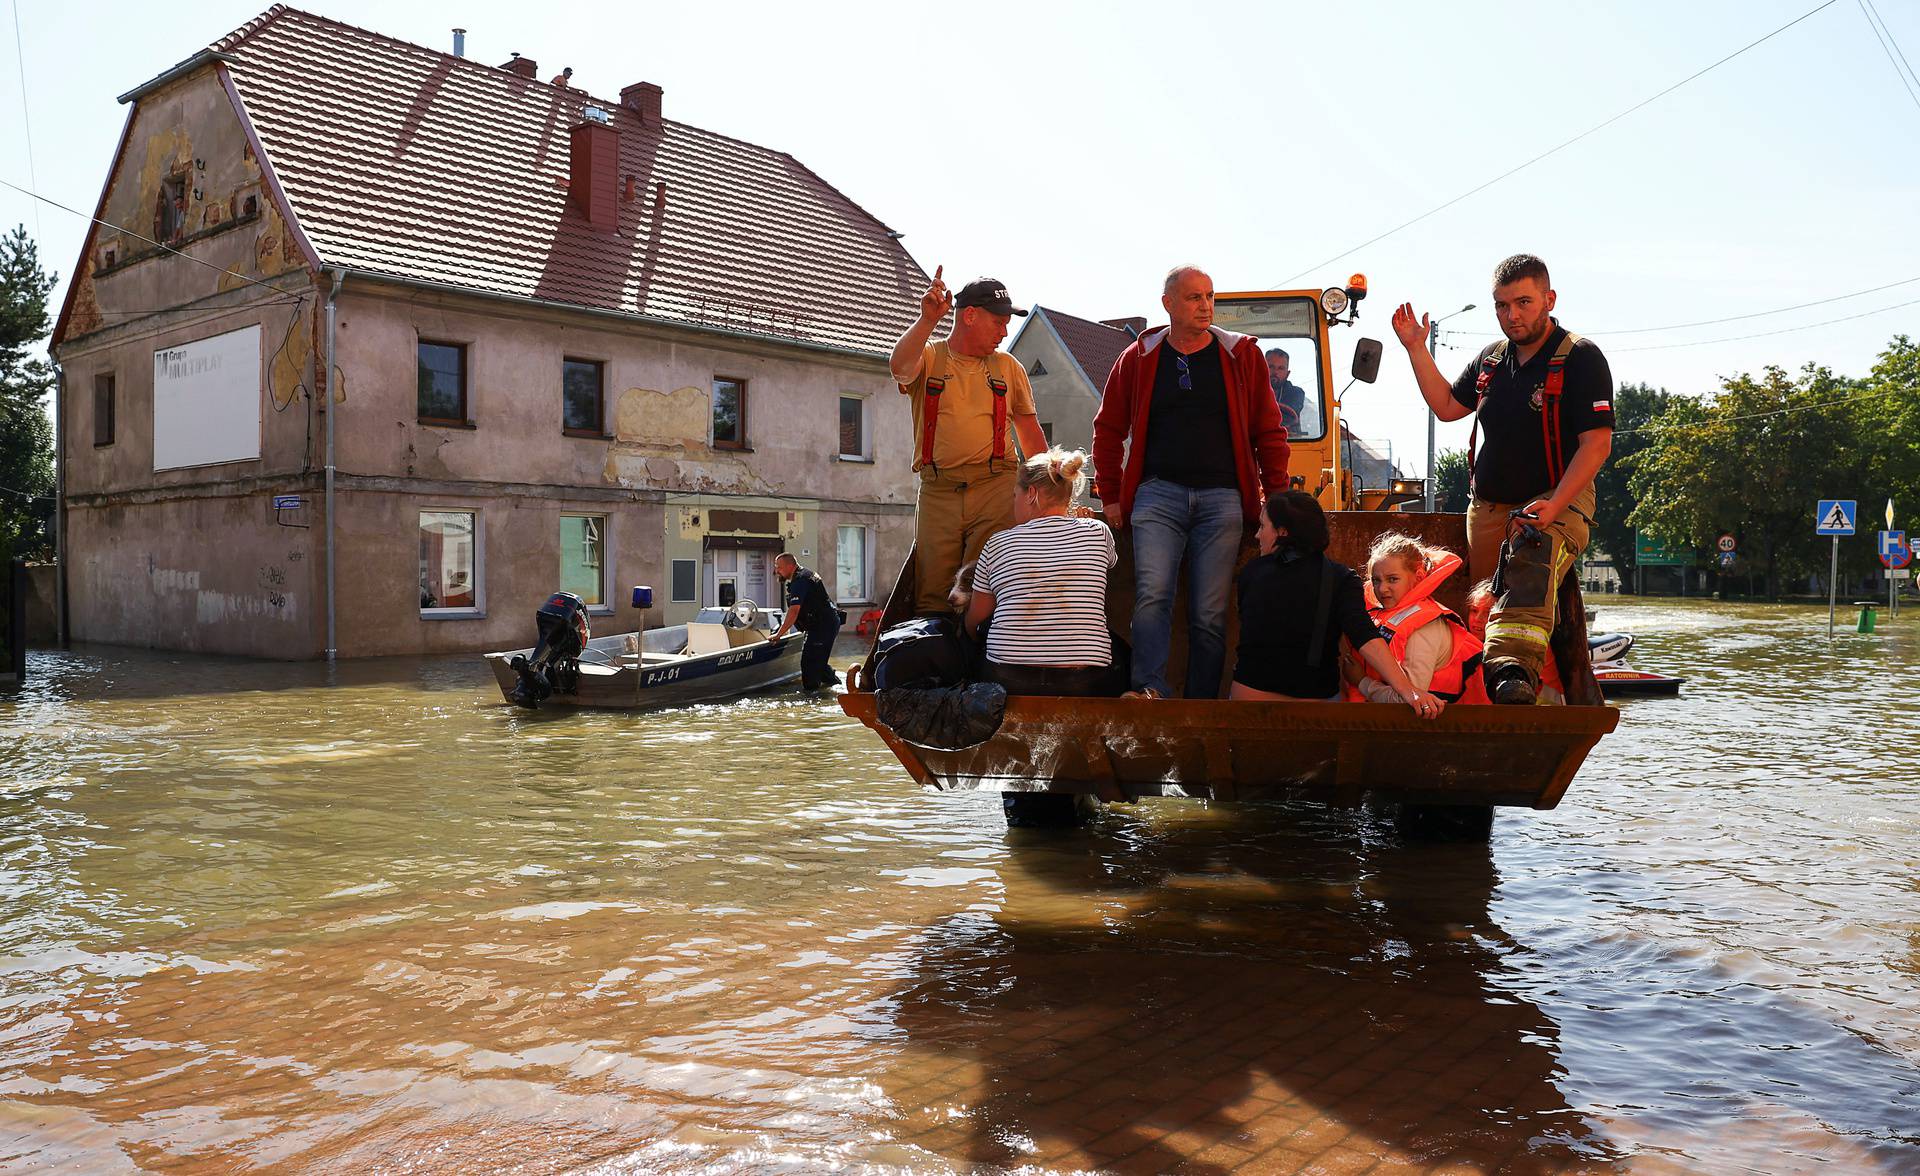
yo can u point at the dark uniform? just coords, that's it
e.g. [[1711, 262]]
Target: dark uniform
[[1512, 466], [820, 621]]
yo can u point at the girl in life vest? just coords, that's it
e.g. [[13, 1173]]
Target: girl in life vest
[[1439, 652], [1479, 606]]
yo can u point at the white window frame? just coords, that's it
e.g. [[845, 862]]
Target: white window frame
[[605, 607], [866, 427], [864, 592], [478, 609]]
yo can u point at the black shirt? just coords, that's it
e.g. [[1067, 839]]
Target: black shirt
[[1189, 438], [1511, 464], [816, 607], [1279, 603]]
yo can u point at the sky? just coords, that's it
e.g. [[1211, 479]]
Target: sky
[[1076, 151]]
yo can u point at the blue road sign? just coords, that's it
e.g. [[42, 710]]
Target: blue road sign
[[1891, 542], [1834, 516], [1727, 558]]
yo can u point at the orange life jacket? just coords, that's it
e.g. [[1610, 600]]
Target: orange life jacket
[[1458, 678]]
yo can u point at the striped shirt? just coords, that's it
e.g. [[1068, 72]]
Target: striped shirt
[[1048, 577]]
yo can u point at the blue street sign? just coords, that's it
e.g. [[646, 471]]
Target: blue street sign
[[1891, 542], [1727, 558], [1834, 516], [286, 502]]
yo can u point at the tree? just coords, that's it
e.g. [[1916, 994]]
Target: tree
[[1637, 409], [1751, 462], [26, 435], [1450, 480]]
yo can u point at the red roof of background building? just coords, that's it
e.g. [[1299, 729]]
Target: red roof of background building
[[1095, 346], [408, 162]]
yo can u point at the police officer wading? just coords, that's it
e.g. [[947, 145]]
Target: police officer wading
[[1544, 426], [811, 610], [970, 399]]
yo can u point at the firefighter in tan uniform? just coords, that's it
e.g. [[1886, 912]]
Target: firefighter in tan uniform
[[970, 401], [1542, 398]]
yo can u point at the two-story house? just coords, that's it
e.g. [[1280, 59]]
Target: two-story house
[[375, 346]]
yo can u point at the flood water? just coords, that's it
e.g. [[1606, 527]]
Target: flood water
[[254, 920]]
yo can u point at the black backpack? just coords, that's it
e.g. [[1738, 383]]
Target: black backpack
[[921, 653]]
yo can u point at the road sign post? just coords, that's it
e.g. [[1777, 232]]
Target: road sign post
[[1835, 517]]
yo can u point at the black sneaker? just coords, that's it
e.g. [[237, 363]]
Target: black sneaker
[[1513, 686]]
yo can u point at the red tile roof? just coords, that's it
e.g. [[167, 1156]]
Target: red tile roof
[[1094, 345], [412, 163]]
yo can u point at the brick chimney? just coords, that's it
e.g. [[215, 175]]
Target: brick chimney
[[526, 67], [643, 98], [593, 177]]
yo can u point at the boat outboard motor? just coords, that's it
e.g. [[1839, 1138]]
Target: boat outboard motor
[[1609, 647], [555, 664]]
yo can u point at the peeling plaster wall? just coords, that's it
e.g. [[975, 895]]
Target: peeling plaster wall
[[208, 575]]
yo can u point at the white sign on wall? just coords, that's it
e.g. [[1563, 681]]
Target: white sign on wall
[[206, 401]]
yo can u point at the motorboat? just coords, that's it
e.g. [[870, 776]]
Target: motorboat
[[721, 653], [1617, 678]]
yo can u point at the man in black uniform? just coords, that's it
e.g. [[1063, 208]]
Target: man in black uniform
[[1544, 399], [811, 611]]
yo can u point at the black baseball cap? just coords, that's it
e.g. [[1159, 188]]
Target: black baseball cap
[[988, 294]]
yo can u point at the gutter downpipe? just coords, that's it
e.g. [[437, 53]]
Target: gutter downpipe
[[59, 505], [339, 276]]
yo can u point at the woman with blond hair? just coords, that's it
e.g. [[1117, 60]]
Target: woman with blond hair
[[1043, 584]]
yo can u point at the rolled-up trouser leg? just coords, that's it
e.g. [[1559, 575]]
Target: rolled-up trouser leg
[[1524, 613]]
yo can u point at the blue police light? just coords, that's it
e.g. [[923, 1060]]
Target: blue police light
[[642, 596]]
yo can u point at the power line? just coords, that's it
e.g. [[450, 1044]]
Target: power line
[[1886, 48], [1891, 41], [1754, 416], [1560, 147], [136, 236], [1734, 318], [19, 56], [1763, 334]]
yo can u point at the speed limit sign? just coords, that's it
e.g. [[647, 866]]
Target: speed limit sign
[[1726, 543]]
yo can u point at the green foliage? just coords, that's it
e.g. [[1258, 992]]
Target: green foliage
[[1451, 477], [26, 435], [1637, 409], [1753, 459]]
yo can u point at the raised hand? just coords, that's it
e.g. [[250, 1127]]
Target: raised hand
[[1412, 332], [935, 303]]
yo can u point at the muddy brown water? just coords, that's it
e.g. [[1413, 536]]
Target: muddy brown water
[[254, 920]]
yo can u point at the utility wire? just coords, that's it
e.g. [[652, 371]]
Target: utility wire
[[1734, 318], [1559, 147], [136, 236], [1886, 48], [1754, 416], [1763, 334], [19, 56], [1891, 41]]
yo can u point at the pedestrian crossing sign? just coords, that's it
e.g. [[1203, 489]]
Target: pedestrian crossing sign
[[1835, 516]]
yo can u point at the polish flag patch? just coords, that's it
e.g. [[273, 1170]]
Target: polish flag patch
[[1603, 406]]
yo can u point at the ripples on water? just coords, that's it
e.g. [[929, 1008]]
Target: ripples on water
[[254, 920]]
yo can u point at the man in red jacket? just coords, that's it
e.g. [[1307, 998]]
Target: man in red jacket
[[1186, 444]]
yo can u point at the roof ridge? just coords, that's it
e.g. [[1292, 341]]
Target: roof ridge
[[1056, 312], [234, 38]]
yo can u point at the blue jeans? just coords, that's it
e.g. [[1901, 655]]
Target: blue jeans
[[1170, 520]]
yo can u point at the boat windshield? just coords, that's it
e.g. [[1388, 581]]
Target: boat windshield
[[1288, 330]]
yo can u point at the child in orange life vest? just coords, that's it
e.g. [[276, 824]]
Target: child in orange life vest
[[1479, 605], [1440, 654]]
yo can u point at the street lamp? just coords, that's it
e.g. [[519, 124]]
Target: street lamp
[[1433, 349]]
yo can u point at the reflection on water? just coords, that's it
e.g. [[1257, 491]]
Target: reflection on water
[[254, 919]]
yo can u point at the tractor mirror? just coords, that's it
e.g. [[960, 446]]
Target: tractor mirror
[[1366, 360]]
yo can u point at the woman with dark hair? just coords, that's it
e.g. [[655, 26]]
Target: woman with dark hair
[[1296, 605]]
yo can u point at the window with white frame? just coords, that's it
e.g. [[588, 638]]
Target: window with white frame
[[850, 564], [583, 561], [853, 428], [450, 562]]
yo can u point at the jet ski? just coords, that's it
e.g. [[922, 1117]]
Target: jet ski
[[1616, 677]]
